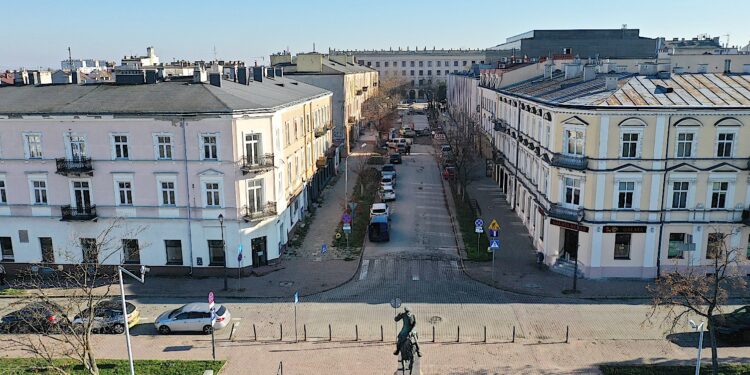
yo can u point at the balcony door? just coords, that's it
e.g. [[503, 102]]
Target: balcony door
[[252, 148], [81, 195], [255, 195], [77, 148]]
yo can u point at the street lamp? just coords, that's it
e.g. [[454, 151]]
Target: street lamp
[[224, 248], [120, 270], [698, 328]]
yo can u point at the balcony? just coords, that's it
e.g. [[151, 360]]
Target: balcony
[[257, 164], [84, 213], [80, 166], [564, 213], [258, 213], [570, 161], [319, 132]]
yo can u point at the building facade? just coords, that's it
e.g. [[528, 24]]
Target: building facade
[[169, 158], [631, 175]]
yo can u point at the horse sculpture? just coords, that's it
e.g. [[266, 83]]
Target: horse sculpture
[[408, 350]]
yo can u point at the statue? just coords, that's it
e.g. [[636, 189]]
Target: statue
[[406, 331]]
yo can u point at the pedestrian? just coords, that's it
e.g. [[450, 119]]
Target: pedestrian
[[408, 149], [2, 275]]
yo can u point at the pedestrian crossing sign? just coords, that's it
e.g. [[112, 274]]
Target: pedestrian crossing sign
[[494, 225], [495, 244]]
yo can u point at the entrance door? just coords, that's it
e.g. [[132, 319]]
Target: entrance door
[[81, 195], [77, 148], [252, 148], [260, 256], [570, 244]]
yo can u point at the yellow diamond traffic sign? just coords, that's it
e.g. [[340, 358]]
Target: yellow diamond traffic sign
[[494, 225]]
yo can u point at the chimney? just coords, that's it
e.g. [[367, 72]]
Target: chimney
[[279, 71], [281, 58], [610, 83], [74, 77], [242, 75], [572, 70], [647, 69], [199, 74], [270, 72], [215, 79], [589, 72], [258, 74], [727, 66], [150, 77], [548, 69]]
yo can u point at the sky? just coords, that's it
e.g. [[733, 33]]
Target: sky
[[39, 33]]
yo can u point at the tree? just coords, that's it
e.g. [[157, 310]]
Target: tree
[[382, 108], [462, 136], [85, 282], [699, 289]]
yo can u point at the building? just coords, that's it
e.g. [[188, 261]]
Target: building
[[584, 43], [169, 157], [630, 174], [350, 83], [83, 65], [424, 69]]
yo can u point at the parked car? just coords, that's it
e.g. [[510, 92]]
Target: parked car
[[734, 326], [393, 143], [401, 149], [378, 230], [36, 317], [388, 194], [380, 209], [387, 180], [395, 158], [388, 170], [408, 133], [449, 173], [423, 132], [108, 317], [193, 317], [445, 148]]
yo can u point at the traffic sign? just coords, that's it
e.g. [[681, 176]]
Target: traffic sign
[[396, 303], [211, 297], [494, 225], [296, 297], [478, 222], [239, 258], [346, 218], [347, 228], [493, 232], [495, 244], [479, 230], [324, 249]]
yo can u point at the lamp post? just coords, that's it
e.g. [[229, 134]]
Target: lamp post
[[699, 328], [224, 249], [120, 270]]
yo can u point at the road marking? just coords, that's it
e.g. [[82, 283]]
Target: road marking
[[414, 272], [236, 319], [454, 265], [365, 264]]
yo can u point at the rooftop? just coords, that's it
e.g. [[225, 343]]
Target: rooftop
[[677, 90], [170, 97]]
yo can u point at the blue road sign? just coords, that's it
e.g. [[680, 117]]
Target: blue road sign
[[478, 222], [493, 233], [296, 297], [324, 249], [495, 244]]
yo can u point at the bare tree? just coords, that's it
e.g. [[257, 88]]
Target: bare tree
[[699, 289], [85, 282], [382, 108], [462, 137]]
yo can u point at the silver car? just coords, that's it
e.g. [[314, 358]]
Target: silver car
[[193, 317]]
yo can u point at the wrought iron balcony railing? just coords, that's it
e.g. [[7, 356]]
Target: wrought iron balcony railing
[[83, 213], [257, 213], [257, 164], [570, 161], [75, 166]]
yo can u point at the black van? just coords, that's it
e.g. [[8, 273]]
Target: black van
[[378, 230]]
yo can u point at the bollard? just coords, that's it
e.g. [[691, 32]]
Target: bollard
[[485, 334], [433, 333], [255, 334], [567, 333], [381, 333], [281, 331], [514, 335], [304, 331], [458, 333], [356, 333], [329, 332]]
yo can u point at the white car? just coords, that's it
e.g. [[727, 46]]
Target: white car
[[380, 209], [193, 317], [388, 194], [388, 181]]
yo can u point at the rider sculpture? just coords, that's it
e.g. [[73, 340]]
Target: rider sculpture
[[409, 323]]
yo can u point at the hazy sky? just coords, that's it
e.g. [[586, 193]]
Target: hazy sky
[[37, 33]]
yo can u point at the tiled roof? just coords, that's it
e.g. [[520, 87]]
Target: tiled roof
[[678, 90]]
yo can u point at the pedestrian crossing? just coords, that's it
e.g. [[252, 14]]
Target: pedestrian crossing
[[396, 270]]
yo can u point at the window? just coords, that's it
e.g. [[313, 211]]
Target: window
[[678, 244], [6, 246], [174, 251], [630, 145], [33, 146], [724, 145], [685, 145], [403, 64], [574, 142], [124, 193], [48, 253], [3, 194], [386, 64], [625, 194], [216, 253], [447, 71], [464, 63], [288, 133], [163, 147], [421, 72], [747, 251], [572, 191], [377, 64], [39, 191], [455, 63], [89, 250], [437, 72], [429, 64], [167, 193], [120, 147], [403, 72], [719, 194], [255, 196], [210, 147], [130, 251], [714, 246], [421, 64], [411, 64], [411, 72], [212, 194], [680, 194], [429, 72], [622, 245]]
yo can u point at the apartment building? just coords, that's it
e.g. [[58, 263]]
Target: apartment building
[[424, 69], [350, 83], [170, 158], [630, 174]]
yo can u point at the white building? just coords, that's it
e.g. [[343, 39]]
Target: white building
[[169, 157]]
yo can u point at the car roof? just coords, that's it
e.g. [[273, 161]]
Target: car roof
[[388, 187], [198, 306], [379, 205]]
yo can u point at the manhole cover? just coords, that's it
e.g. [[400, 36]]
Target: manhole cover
[[286, 283], [533, 286], [435, 319]]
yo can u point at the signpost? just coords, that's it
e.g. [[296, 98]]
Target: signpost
[[478, 228], [324, 249], [239, 266], [395, 303], [494, 228], [296, 301], [213, 319], [347, 230]]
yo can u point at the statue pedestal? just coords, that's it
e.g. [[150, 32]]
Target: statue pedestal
[[415, 369]]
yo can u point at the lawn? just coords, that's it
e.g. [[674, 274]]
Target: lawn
[[466, 217], [365, 194], [18, 366], [728, 369], [12, 292]]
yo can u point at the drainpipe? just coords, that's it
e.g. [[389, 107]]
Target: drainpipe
[[518, 150], [183, 125], [661, 208]]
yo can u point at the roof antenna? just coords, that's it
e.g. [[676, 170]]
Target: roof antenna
[[215, 53], [313, 46], [70, 60]]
